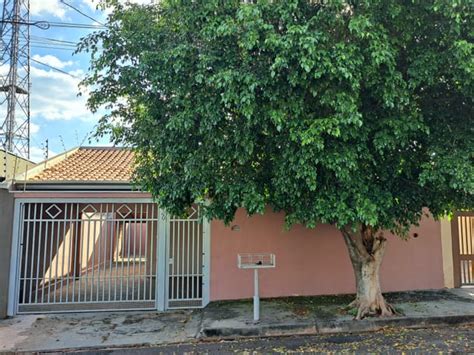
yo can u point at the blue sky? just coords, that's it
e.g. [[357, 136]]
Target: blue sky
[[57, 113]]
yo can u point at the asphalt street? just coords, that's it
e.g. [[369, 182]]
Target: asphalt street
[[431, 340]]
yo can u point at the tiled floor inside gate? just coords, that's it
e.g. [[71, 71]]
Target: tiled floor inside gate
[[108, 287]]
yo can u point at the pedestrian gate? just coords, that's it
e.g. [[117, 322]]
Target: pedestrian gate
[[185, 261], [463, 248], [106, 255]]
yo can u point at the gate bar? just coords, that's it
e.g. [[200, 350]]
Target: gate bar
[[14, 262], [162, 245]]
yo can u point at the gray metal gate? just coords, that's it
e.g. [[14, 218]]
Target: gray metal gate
[[106, 254], [186, 256], [86, 256]]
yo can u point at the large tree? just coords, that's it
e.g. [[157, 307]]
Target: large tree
[[353, 113]]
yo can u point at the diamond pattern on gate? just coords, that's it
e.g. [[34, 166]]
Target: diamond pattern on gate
[[124, 211], [89, 211], [193, 213], [53, 211]]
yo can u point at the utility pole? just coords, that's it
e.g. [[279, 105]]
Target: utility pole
[[15, 85]]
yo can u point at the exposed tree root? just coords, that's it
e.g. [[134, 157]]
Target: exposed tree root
[[379, 308], [354, 304]]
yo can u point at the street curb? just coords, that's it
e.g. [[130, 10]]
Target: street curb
[[332, 327]]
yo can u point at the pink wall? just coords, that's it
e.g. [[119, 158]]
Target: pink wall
[[312, 262]]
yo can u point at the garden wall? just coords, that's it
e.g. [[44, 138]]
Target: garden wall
[[315, 261]]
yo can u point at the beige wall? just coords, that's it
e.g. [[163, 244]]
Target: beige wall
[[11, 165], [6, 220], [315, 262], [447, 243]]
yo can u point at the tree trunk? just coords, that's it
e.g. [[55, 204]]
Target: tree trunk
[[366, 251]]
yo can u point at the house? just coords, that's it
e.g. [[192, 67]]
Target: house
[[83, 238]]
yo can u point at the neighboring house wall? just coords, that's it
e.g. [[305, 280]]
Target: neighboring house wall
[[312, 262], [12, 165], [6, 220]]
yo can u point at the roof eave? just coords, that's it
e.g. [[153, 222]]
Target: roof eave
[[74, 185], [38, 168]]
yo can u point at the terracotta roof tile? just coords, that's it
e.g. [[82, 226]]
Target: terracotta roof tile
[[91, 164]]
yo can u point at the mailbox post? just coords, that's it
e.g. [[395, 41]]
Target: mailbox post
[[255, 262]]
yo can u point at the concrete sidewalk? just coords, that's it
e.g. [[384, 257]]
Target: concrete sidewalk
[[323, 315], [299, 315], [97, 330]]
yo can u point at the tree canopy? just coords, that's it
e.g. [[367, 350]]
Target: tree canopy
[[342, 112]]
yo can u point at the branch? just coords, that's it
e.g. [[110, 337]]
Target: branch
[[354, 241], [350, 244], [379, 246]]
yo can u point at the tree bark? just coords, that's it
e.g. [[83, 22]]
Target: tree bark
[[366, 250]]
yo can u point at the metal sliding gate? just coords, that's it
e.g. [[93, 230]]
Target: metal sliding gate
[[103, 255], [463, 248]]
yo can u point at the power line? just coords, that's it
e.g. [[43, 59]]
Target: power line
[[52, 39], [80, 12], [55, 48], [49, 43], [49, 40], [75, 25], [56, 24], [47, 46], [46, 43], [72, 45], [35, 140], [53, 44], [54, 68]]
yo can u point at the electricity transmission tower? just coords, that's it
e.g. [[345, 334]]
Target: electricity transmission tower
[[15, 77]]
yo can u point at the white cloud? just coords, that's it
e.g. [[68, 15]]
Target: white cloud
[[53, 61], [47, 7], [34, 128], [90, 3], [54, 96], [56, 9], [37, 154]]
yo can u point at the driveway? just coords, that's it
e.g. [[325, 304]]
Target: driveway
[[97, 330]]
